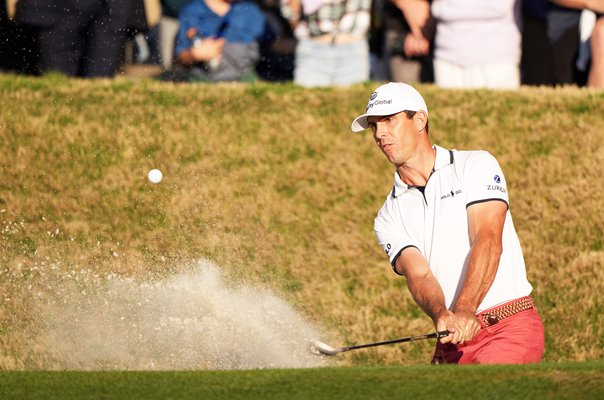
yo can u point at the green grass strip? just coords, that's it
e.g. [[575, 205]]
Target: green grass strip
[[543, 381]]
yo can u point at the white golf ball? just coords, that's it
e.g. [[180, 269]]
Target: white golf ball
[[155, 176]]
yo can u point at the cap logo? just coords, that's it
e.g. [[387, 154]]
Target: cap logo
[[377, 103], [373, 95], [497, 179]]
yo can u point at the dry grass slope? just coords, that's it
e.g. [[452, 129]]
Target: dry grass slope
[[269, 183]]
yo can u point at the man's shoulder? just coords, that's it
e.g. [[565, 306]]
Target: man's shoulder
[[464, 156]]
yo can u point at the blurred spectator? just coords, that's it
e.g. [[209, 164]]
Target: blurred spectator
[[378, 67], [563, 36], [219, 40], [83, 38], [146, 47], [409, 56], [477, 43], [537, 64], [168, 29], [596, 70], [564, 31], [277, 58], [332, 40], [18, 44]]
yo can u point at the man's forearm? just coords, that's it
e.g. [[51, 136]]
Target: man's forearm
[[482, 268], [428, 294], [421, 282]]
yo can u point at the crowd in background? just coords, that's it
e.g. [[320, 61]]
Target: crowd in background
[[453, 43]]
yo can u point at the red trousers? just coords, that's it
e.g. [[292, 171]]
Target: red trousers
[[517, 339]]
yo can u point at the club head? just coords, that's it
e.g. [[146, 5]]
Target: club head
[[317, 347]]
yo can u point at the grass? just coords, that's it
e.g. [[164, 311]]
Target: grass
[[268, 182], [561, 381]]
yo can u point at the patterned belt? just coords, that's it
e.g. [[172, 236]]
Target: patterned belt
[[494, 315]]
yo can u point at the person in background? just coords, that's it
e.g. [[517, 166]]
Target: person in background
[[537, 64], [18, 43], [596, 70], [477, 43], [168, 29], [446, 227], [333, 48], [563, 37], [408, 52], [83, 38], [564, 32], [277, 58], [218, 40]]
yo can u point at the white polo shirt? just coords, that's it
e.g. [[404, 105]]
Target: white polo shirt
[[436, 223]]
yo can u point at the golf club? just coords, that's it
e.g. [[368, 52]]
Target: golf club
[[322, 348]]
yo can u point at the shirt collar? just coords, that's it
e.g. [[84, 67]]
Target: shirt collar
[[444, 157]]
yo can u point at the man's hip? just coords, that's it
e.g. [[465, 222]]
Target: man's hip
[[511, 333]]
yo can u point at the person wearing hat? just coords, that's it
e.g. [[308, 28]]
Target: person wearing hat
[[446, 226]]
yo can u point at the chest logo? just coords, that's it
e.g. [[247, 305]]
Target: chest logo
[[451, 194]]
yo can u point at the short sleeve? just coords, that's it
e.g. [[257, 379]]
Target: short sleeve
[[484, 179], [390, 232]]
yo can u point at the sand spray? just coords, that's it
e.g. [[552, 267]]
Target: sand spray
[[191, 320]]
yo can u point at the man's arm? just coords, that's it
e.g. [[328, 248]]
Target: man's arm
[[422, 284], [426, 291], [485, 224]]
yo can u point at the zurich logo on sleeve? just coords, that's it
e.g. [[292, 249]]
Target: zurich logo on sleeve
[[497, 180]]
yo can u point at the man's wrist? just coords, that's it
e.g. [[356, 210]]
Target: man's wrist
[[440, 313], [465, 308]]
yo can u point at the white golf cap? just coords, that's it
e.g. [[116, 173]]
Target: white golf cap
[[389, 99]]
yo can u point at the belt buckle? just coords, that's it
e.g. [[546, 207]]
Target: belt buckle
[[491, 319]]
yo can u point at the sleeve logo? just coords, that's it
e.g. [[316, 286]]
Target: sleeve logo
[[497, 179]]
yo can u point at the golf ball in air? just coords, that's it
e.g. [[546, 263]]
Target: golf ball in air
[[155, 176]]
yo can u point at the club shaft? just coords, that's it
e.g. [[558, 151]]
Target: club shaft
[[435, 335]]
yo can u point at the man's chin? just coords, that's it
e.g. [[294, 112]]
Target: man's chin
[[391, 157]]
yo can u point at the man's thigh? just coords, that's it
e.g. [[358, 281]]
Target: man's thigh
[[517, 340], [514, 340]]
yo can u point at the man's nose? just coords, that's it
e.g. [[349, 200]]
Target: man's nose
[[380, 130]]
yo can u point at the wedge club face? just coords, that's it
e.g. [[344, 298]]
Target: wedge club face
[[317, 347]]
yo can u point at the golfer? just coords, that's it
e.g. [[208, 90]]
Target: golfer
[[446, 226]]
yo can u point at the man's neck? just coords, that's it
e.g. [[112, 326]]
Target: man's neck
[[418, 169]]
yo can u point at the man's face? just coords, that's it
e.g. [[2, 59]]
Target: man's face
[[395, 135]]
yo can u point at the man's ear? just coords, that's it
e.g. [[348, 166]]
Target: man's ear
[[421, 119]]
